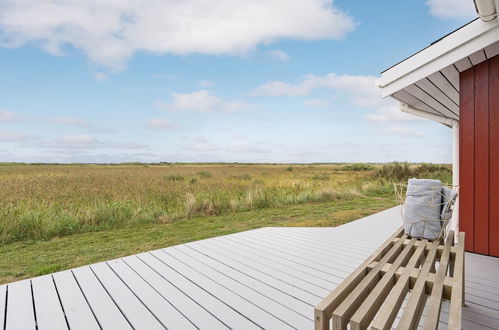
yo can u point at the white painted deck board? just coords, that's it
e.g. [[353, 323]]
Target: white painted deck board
[[105, 309], [3, 299], [166, 313], [267, 278], [196, 314], [213, 304], [274, 316], [261, 287], [275, 281], [310, 272], [336, 255], [259, 317], [20, 312], [134, 310], [277, 270], [305, 261], [50, 315], [78, 312], [259, 298]]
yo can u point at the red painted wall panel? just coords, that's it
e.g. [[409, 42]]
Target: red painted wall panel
[[481, 210], [479, 157], [466, 155], [494, 156]]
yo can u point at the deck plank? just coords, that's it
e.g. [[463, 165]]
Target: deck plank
[[20, 311], [3, 305], [76, 308], [191, 308], [50, 315], [105, 309], [167, 314], [315, 273], [268, 268], [268, 277], [229, 316], [260, 317], [314, 259], [263, 302], [261, 287], [137, 314]]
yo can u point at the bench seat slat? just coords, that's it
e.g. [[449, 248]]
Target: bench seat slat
[[325, 308], [345, 310], [414, 307], [397, 281], [390, 308], [366, 312], [457, 295], [433, 315]]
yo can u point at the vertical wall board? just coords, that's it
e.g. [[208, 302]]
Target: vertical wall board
[[494, 156], [481, 209], [479, 157], [466, 154]]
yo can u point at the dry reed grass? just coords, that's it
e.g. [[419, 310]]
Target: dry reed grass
[[38, 202]]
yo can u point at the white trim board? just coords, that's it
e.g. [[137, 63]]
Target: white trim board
[[458, 45]]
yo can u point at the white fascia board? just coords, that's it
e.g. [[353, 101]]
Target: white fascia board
[[456, 46]]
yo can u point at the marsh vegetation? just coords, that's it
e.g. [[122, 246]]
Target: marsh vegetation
[[98, 212]]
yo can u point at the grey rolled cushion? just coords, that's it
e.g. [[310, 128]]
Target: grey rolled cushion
[[448, 198], [422, 208]]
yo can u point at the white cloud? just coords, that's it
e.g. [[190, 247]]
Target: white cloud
[[403, 130], [7, 115], [200, 147], [165, 76], [206, 83], [317, 103], [73, 122], [279, 55], [101, 76], [81, 123], [161, 123], [452, 8], [88, 142], [279, 88], [202, 101], [391, 113], [110, 32], [10, 136], [360, 89], [204, 146], [246, 149]]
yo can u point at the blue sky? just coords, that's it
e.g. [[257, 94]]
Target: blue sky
[[194, 80]]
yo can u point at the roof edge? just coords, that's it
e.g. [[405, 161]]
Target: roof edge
[[461, 43]]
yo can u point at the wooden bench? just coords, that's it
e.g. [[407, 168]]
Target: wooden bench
[[423, 272]]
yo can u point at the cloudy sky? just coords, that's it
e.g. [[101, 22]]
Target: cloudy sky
[[226, 80]]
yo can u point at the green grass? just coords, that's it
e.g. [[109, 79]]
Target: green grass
[[55, 217], [33, 258], [40, 202]]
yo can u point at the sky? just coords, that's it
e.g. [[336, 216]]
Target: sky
[[208, 81]]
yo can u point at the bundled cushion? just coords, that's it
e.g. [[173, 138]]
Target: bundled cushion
[[448, 198], [422, 209]]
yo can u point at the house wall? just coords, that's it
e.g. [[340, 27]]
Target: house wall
[[479, 157]]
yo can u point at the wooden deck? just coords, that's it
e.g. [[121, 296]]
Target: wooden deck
[[267, 278]]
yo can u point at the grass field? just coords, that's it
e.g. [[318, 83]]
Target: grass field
[[54, 217]]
